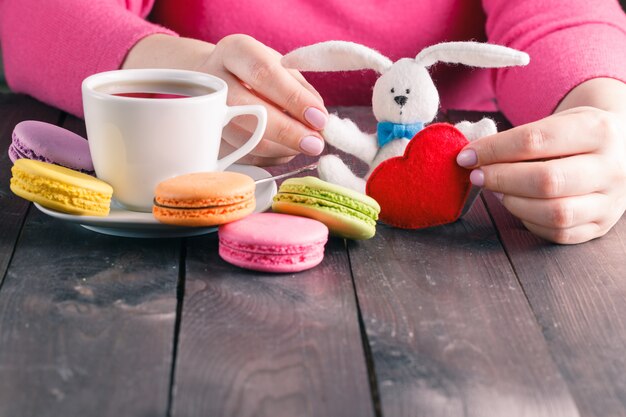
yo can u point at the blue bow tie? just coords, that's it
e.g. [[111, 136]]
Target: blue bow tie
[[388, 131]]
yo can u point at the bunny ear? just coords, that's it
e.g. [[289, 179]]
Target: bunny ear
[[336, 56], [474, 54]]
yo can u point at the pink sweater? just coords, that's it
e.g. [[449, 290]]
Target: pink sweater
[[50, 46]]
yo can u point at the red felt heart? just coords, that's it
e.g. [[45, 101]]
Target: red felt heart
[[424, 187]]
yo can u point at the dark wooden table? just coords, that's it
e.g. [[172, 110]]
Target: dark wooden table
[[476, 318]]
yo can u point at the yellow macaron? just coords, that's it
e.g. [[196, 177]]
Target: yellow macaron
[[60, 188]]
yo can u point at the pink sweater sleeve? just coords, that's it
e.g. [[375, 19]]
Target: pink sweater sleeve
[[569, 42], [50, 46]]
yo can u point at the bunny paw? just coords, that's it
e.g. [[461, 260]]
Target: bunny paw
[[472, 131], [332, 169], [343, 134]]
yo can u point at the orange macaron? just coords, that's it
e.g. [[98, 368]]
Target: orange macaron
[[204, 199]]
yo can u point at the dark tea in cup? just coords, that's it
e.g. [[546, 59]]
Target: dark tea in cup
[[155, 89]]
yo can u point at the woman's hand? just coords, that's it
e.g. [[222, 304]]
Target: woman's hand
[[254, 75], [564, 176]]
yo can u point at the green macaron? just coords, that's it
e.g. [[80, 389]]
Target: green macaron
[[345, 212]]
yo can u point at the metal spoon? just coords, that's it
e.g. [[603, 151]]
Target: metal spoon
[[287, 174]]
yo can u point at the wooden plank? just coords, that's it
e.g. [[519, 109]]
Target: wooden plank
[[577, 293], [14, 109], [255, 344], [262, 344], [449, 328], [87, 322]]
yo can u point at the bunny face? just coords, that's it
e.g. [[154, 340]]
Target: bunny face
[[405, 94]]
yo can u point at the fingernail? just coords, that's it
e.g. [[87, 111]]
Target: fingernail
[[316, 118], [467, 158], [312, 145], [499, 196], [477, 177]]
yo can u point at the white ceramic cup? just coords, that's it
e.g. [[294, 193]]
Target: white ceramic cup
[[136, 143]]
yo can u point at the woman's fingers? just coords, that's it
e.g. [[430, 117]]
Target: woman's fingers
[[255, 76], [281, 128], [258, 67], [546, 179], [300, 78], [564, 176], [558, 213], [251, 159], [556, 136], [236, 137], [569, 236]]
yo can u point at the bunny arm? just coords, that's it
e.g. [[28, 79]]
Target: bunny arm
[[332, 169], [472, 131], [344, 135]]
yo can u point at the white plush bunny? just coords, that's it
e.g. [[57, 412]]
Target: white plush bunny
[[404, 98]]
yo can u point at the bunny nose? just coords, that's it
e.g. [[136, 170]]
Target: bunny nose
[[401, 100]]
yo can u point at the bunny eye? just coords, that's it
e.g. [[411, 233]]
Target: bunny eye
[[408, 90], [393, 90]]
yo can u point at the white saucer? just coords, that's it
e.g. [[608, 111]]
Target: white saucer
[[126, 223]]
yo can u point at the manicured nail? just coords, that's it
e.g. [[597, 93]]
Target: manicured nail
[[312, 145], [316, 118], [499, 196], [477, 177], [467, 158]]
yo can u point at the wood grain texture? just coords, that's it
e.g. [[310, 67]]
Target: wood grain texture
[[256, 344], [87, 322], [450, 330], [14, 109], [578, 294]]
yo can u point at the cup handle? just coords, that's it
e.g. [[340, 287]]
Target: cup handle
[[255, 110]]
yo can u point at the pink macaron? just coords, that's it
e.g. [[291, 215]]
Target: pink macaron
[[49, 143], [273, 242]]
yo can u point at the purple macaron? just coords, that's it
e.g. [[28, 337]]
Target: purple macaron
[[49, 143]]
